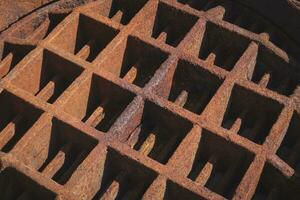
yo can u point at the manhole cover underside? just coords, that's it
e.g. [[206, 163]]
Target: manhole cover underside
[[148, 100]]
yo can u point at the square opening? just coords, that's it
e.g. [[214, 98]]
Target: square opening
[[16, 185], [171, 25], [12, 54], [99, 102], [175, 191], [193, 87], [158, 133], [252, 21], [17, 116], [289, 150], [223, 46], [123, 178], [64, 149], [251, 115], [87, 37], [274, 185], [240, 15], [121, 11], [275, 74], [47, 76], [219, 164], [234, 13], [138, 63]]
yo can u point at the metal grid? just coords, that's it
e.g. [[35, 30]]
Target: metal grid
[[149, 100]]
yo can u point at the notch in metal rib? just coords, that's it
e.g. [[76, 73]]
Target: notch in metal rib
[[182, 98], [9, 131], [113, 189], [211, 58], [148, 144], [85, 51], [217, 12], [238, 122], [163, 35], [131, 74], [236, 125], [264, 81], [206, 171], [118, 16], [64, 177], [96, 117], [265, 36], [57, 162], [48, 91]]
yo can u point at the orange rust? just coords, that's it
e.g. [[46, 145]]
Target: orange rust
[[148, 99]]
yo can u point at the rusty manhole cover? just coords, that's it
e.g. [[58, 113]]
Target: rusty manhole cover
[[148, 99]]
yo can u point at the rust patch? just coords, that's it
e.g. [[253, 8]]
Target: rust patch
[[148, 100]]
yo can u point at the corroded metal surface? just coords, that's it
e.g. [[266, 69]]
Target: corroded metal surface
[[11, 11], [148, 99]]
